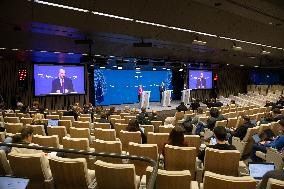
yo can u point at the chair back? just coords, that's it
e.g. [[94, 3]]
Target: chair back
[[71, 118], [11, 120], [102, 125], [109, 147], [48, 141], [163, 129], [275, 184], [158, 138], [80, 133], [26, 121], [38, 129], [120, 127], [126, 137], [52, 117], [105, 134], [5, 168], [193, 141], [60, 131], [156, 124], [13, 127], [65, 123]]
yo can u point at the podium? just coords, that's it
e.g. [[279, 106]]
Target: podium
[[166, 98], [185, 96], [144, 101]]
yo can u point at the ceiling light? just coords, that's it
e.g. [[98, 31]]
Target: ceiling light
[[97, 55], [228, 64], [85, 54], [109, 56], [119, 68], [265, 52], [102, 67], [43, 51], [256, 66], [237, 48], [70, 53], [270, 23], [2, 48], [164, 68], [56, 52], [14, 49], [114, 66], [180, 70], [168, 69], [241, 65], [154, 69], [252, 57], [137, 68]]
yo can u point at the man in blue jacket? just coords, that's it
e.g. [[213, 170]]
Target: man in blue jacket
[[277, 143]]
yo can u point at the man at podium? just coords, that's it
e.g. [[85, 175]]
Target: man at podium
[[140, 91]]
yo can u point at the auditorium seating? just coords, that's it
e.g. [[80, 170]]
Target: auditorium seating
[[147, 128], [57, 130], [275, 184], [32, 166], [158, 138], [214, 181], [120, 127], [272, 156], [127, 137], [48, 141], [71, 173], [146, 150], [13, 128], [173, 179], [5, 168], [26, 121], [105, 134], [80, 133], [11, 120], [101, 125], [165, 129], [52, 117], [109, 175], [173, 155], [193, 141], [38, 129]]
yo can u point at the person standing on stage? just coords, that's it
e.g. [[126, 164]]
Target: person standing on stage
[[140, 91], [162, 88]]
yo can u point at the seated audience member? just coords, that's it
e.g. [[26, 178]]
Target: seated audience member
[[155, 117], [111, 111], [276, 113], [215, 116], [14, 139], [266, 119], [38, 120], [169, 121], [133, 126], [241, 131], [187, 126], [71, 112], [267, 135], [181, 107], [277, 143], [176, 138], [232, 103], [127, 109], [275, 174], [99, 110], [194, 105], [199, 114], [35, 106], [280, 102], [220, 134], [104, 119], [143, 118], [218, 103], [268, 103], [24, 109]]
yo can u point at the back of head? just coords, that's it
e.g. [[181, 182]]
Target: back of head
[[214, 112], [16, 138], [176, 137], [143, 110], [182, 103], [276, 111], [220, 133], [133, 125], [246, 118], [26, 132], [103, 115], [281, 122]]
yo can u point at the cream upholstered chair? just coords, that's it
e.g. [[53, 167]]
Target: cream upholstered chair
[[127, 137], [80, 133], [172, 179], [76, 143], [114, 116], [11, 120], [85, 115], [274, 184], [60, 131], [156, 124], [118, 176], [48, 141], [147, 128], [80, 118], [158, 138], [71, 173], [109, 147], [10, 115], [5, 168], [214, 181], [26, 121], [82, 124], [193, 141], [120, 127], [38, 129], [105, 134], [221, 123], [128, 118], [13, 127], [232, 122], [71, 118], [52, 117], [32, 166], [102, 125], [66, 123], [165, 129], [244, 146], [146, 150], [225, 162], [173, 162]]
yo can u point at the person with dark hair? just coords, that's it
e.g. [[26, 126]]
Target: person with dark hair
[[62, 84], [133, 126], [194, 105], [181, 107], [277, 143], [187, 126], [104, 119], [266, 119], [241, 131], [199, 114], [111, 111], [275, 174], [71, 112], [220, 134], [143, 117], [215, 116], [276, 113]]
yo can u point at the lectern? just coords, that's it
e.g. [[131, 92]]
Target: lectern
[[145, 99], [185, 96], [166, 98]]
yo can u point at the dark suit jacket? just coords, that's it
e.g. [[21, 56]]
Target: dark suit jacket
[[181, 108], [57, 86], [201, 83], [242, 130]]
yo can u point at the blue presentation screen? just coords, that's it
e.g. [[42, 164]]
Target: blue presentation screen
[[200, 79], [58, 80], [121, 86]]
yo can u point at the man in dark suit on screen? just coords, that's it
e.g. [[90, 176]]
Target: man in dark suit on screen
[[62, 84], [162, 88], [201, 82]]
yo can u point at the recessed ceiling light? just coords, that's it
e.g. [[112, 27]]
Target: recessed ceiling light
[[180, 70], [252, 57], [84, 54], [265, 52], [237, 48], [154, 69], [270, 23], [228, 64], [120, 68], [56, 52], [164, 68], [97, 55], [114, 66], [102, 67], [168, 69], [43, 51], [2, 48], [137, 68], [70, 53], [256, 66], [241, 65], [14, 49]]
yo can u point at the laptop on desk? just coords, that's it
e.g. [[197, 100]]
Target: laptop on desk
[[257, 170], [52, 122], [7, 182]]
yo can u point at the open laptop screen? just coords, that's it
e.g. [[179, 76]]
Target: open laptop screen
[[257, 170], [13, 182], [53, 122]]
